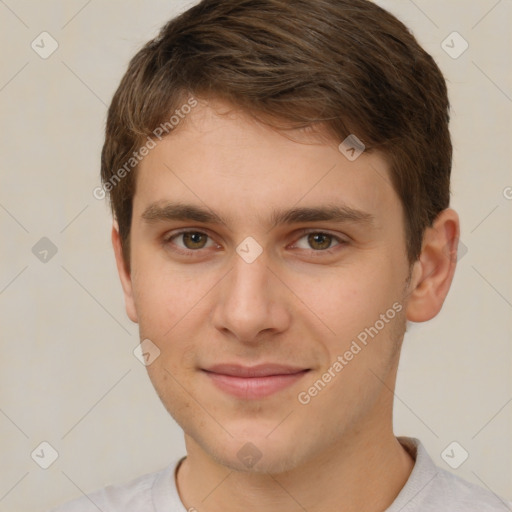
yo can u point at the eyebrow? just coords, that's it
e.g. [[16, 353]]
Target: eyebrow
[[169, 211]]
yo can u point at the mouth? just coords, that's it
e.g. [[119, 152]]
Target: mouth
[[253, 382]]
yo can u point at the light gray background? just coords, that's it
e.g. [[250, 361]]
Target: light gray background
[[67, 372]]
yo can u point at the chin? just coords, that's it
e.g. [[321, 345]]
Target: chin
[[256, 452]]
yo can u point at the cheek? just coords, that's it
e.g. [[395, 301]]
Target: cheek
[[368, 319], [348, 299], [160, 296], [171, 315], [171, 389]]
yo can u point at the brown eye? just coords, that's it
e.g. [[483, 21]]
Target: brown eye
[[319, 241], [194, 240], [191, 241]]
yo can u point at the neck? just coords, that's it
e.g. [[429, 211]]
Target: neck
[[361, 472]]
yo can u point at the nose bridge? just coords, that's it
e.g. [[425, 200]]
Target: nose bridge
[[249, 283], [249, 301]]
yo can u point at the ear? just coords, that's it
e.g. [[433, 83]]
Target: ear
[[433, 272], [124, 274]]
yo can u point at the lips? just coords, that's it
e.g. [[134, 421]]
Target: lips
[[262, 370], [253, 382]]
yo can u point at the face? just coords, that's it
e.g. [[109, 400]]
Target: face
[[275, 293]]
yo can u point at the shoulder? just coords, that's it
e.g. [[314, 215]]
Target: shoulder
[[434, 489], [135, 495], [456, 493]]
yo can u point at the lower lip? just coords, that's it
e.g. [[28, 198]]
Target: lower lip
[[253, 388]]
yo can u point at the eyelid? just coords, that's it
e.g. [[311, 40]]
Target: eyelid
[[342, 240], [174, 234], [306, 231]]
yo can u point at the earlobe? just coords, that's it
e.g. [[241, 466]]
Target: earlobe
[[433, 272], [124, 274]]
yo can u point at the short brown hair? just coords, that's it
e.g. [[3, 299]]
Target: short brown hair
[[346, 64]]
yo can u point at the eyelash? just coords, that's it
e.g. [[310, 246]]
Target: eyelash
[[302, 233]]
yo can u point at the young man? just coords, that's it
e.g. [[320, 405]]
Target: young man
[[279, 176]]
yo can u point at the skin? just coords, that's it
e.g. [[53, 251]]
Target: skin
[[295, 304]]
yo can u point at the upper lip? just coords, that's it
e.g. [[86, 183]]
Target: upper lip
[[261, 370]]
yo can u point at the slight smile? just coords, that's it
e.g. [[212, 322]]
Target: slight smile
[[255, 382]]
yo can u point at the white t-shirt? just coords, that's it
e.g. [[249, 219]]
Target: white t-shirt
[[428, 489]]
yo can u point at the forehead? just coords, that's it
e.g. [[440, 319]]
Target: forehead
[[222, 159]]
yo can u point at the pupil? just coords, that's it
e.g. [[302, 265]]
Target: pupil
[[317, 239], [194, 238]]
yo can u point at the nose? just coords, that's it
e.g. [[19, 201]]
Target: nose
[[251, 303]]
